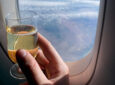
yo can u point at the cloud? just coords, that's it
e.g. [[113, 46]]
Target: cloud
[[93, 2], [73, 41], [43, 3], [52, 16], [74, 38], [62, 9], [57, 3], [80, 14], [86, 14]]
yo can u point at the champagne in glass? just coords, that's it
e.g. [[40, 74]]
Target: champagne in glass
[[21, 34], [21, 37]]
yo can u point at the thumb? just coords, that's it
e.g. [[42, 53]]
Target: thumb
[[30, 68]]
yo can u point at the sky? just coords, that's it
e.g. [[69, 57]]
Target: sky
[[70, 25]]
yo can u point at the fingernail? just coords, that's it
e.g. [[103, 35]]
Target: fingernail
[[21, 53]]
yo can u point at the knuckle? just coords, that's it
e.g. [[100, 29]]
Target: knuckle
[[49, 44], [31, 65]]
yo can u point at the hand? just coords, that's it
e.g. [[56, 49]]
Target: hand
[[49, 59]]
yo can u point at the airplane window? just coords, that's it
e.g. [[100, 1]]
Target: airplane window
[[70, 25]]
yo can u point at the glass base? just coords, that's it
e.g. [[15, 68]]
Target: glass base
[[14, 72]]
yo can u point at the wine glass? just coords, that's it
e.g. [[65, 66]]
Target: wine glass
[[21, 34]]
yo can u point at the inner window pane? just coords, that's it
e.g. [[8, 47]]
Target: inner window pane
[[70, 25]]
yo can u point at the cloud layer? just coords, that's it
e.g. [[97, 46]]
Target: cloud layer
[[70, 25]]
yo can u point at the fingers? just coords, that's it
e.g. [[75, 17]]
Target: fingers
[[30, 68], [41, 59], [48, 50], [55, 61]]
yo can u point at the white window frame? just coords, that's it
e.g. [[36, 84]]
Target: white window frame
[[6, 6], [86, 72], [80, 71]]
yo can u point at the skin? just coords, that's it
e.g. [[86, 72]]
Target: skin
[[47, 59]]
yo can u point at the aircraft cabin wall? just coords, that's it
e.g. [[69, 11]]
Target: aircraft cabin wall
[[105, 69]]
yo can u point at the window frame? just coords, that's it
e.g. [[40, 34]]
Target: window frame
[[12, 6], [86, 73]]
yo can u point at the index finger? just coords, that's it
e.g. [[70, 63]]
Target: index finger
[[48, 50]]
